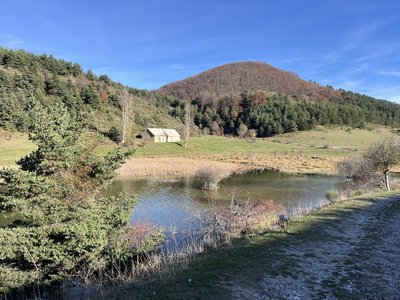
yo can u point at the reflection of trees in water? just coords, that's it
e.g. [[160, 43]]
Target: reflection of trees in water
[[169, 202]]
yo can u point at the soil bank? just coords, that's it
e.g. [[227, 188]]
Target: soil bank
[[141, 167]]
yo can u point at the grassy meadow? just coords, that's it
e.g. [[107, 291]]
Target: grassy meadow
[[322, 142], [13, 146]]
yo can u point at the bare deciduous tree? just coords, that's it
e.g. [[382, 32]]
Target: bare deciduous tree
[[242, 130], [358, 169], [383, 155], [187, 122], [215, 129], [210, 177], [126, 118]]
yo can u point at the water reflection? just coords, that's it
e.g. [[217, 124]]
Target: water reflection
[[170, 204]]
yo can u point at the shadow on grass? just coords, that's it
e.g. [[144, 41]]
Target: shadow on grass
[[179, 144]]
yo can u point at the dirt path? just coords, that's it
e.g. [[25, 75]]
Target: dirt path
[[352, 255], [348, 250]]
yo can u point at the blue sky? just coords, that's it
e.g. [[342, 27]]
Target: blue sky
[[353, 45]]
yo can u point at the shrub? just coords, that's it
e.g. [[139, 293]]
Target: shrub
[[140, 238], [357, 169], [242, 130], [245, 217], [251, 134], [206, 131], [215, 128], [114, 134], [332, 195], [210, 177], [62, 229]]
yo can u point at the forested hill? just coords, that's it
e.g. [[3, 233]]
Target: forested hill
[[260, 113], [24, 75], [234, 78], [231, 99], [238, 97]]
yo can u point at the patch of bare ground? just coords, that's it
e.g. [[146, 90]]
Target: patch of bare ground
[[159, 167], [289, 163], [353, 254], [153, 167]]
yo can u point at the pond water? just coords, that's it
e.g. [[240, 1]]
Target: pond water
[[172, 203], [175, 204]]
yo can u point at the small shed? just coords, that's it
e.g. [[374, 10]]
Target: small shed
[[163, 135], [172, 135]]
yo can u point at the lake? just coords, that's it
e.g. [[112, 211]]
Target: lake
[[171, 203]]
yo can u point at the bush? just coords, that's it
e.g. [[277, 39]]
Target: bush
[[246, 217], [211, 177], [251, 134], [62, 229], [206, 131], [332, 195], [242, 130], [114, 134], [358, 169]]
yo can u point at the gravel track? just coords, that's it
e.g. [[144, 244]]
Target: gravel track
[[357, 258]]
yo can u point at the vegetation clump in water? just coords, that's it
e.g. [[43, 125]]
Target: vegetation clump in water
[[211, 177]]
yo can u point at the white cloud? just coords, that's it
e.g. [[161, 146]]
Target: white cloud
[[389, 73], [391, 93]]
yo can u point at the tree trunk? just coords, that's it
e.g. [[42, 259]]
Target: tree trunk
[[126, 113], [187, 122], [123, 132], [387, 181]]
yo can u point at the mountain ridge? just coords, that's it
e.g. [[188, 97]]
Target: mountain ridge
[[24, 75], [233, 78], [231, 97]]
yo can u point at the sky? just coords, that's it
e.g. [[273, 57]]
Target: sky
[[354, 45]]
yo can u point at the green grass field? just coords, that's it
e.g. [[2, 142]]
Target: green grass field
[[321, 141], [13, 146]]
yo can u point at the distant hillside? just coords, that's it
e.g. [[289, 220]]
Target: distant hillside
[[250, 98], [234, 78], [23, 75], [244, 99]]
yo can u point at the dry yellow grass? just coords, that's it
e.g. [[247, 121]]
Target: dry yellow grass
[[316, 151], [139, 167]]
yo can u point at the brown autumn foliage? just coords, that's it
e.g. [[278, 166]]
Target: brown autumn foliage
[[233, 78]]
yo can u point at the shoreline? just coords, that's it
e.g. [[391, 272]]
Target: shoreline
[[279, 256], [173, 166]]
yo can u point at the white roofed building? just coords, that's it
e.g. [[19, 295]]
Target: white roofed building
[[163, 135]]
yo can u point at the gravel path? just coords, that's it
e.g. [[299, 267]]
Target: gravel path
[[353, 255]]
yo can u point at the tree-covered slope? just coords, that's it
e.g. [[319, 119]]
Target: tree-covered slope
[[50, 80], [233, 78], [244, 95], [268, 114], [272, 101]]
